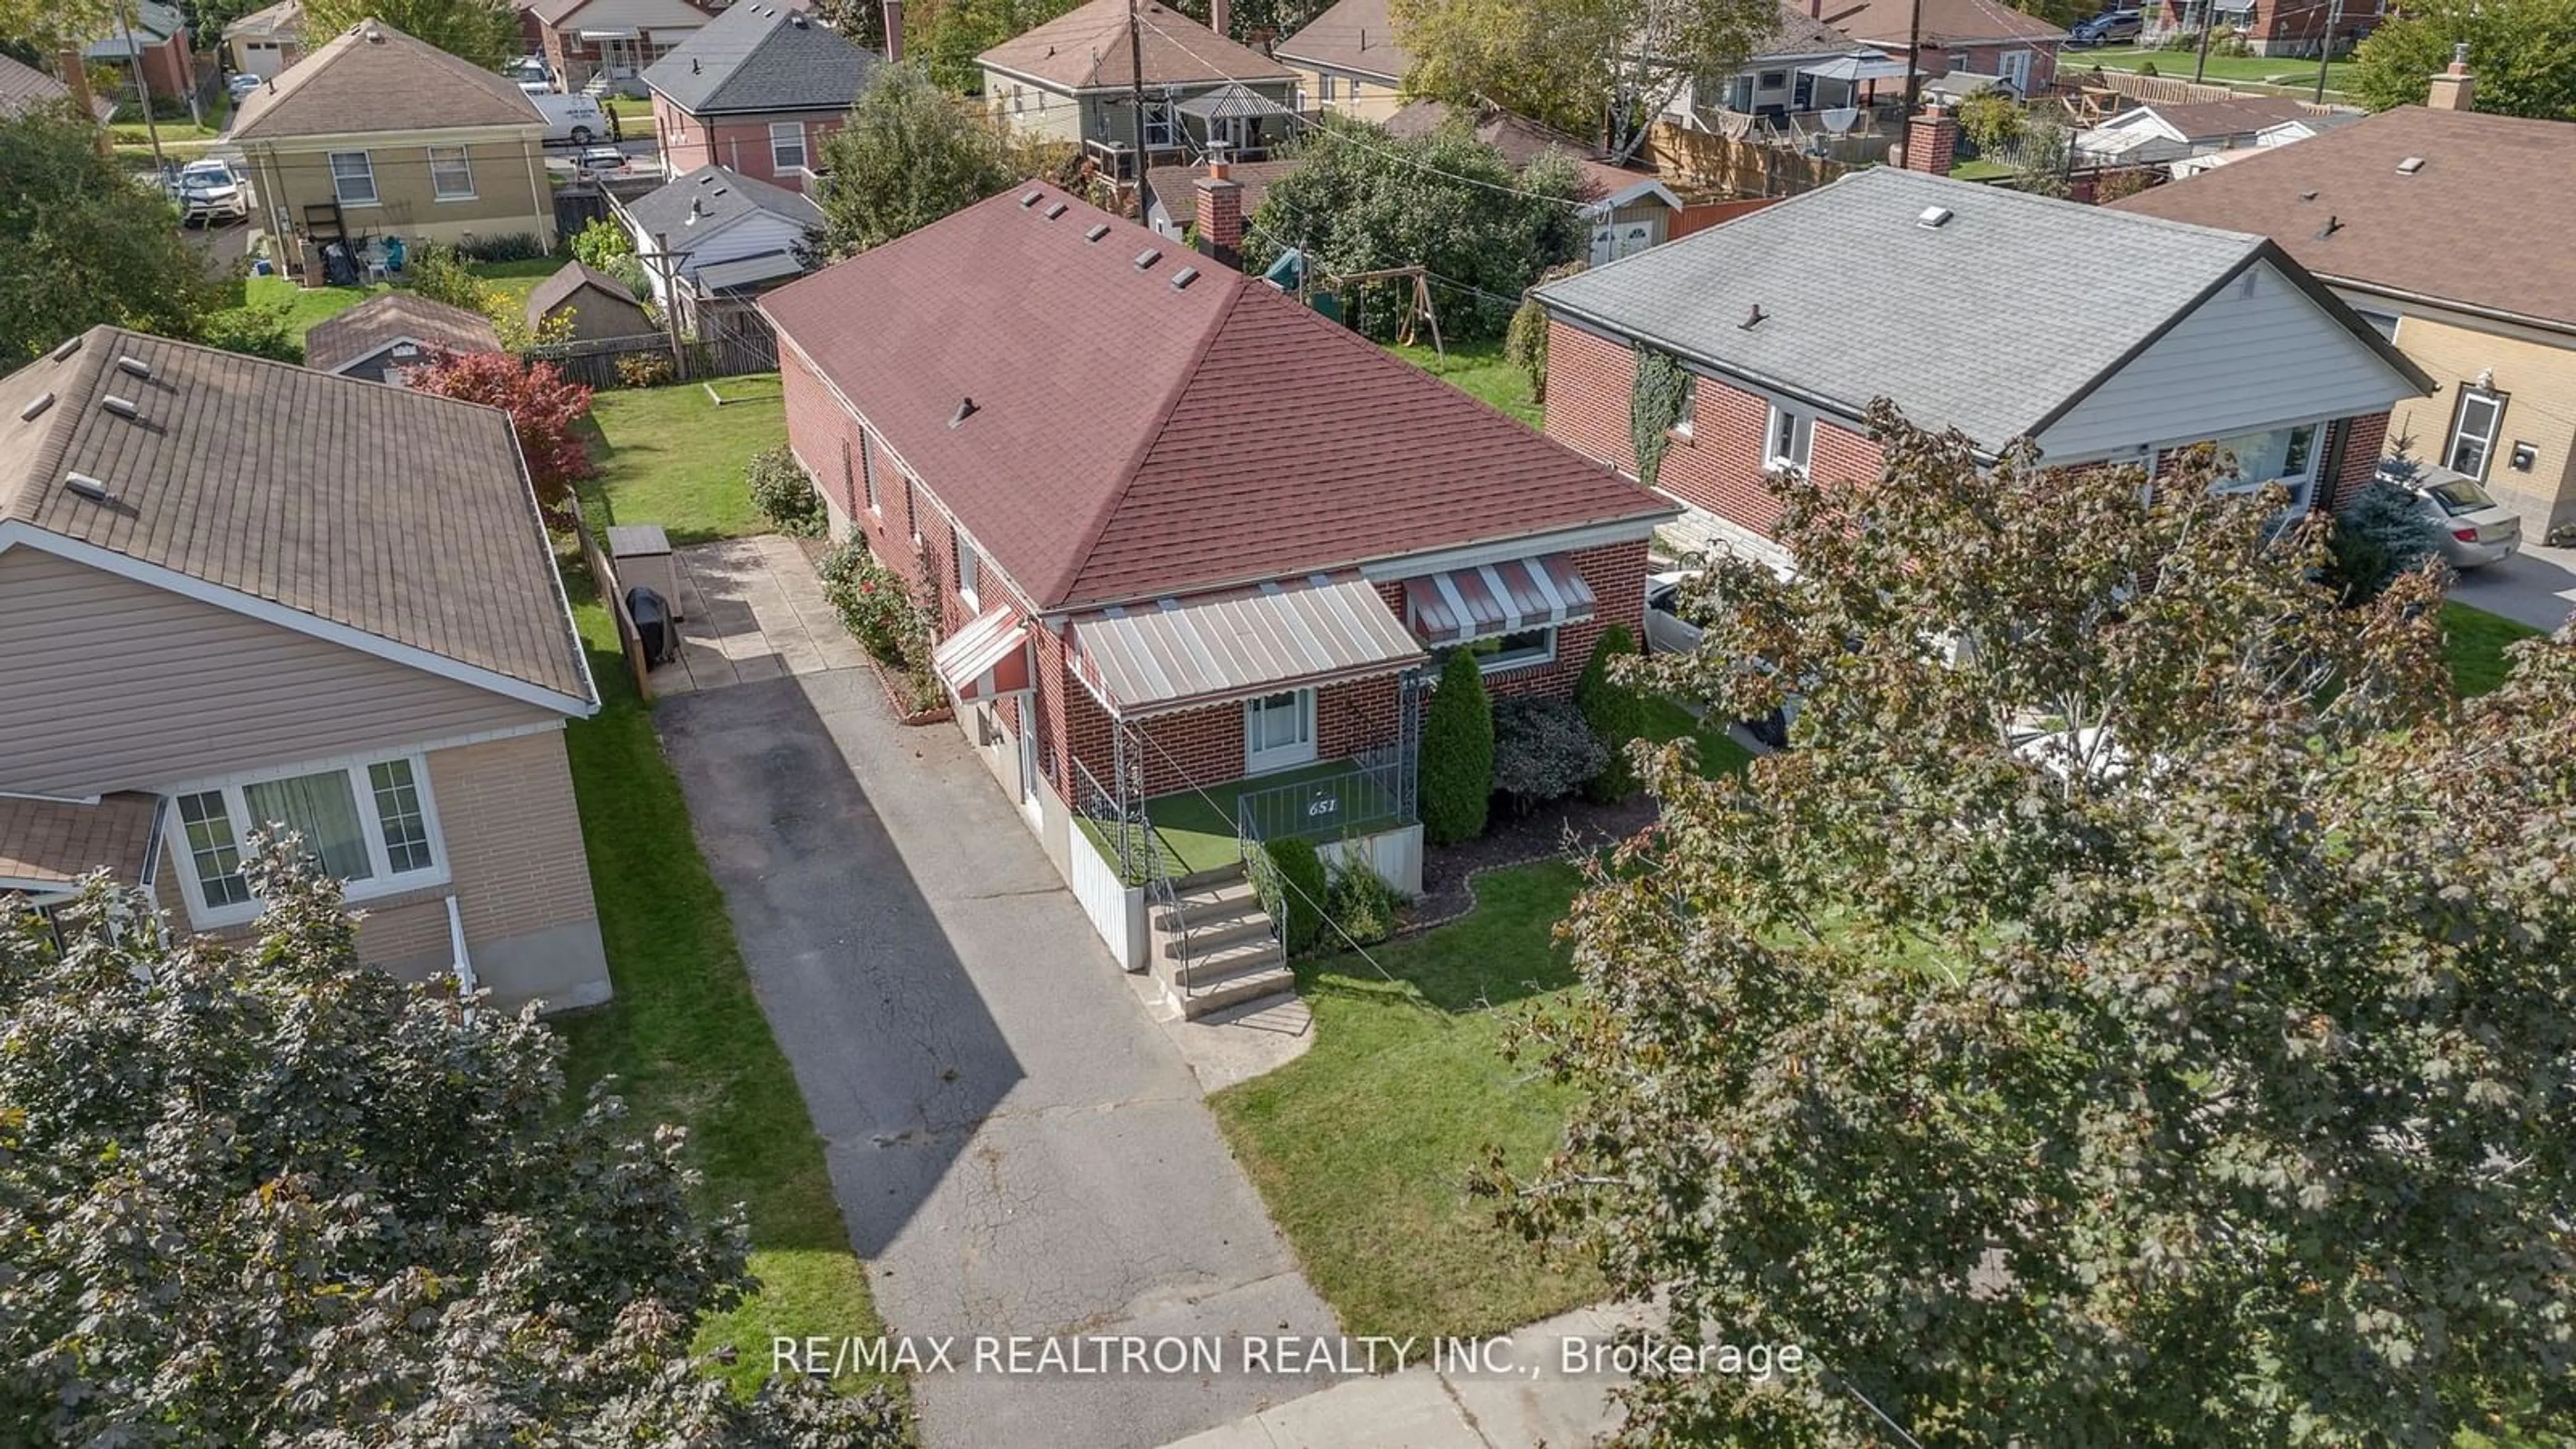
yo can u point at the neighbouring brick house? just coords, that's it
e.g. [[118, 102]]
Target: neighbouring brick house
[[756, 92], [1194, 545], [153, 38], [611, 41], [1967, 37], [1971, 307], [2494, 324], [236, 593], [2270, 27]]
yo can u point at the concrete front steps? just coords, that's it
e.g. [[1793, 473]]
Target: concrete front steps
[[1230, 953]]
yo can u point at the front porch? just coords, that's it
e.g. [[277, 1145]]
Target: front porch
[[1202, 830]]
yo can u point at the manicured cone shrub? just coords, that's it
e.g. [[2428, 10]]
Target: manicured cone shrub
[[1457, 754], [1305, 892], [1615, 713]]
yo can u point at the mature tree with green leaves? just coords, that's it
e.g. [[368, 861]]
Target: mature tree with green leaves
[[268, 1196], [1602, 68], [2138, 1011], [2523, 53], [81, 244], [46, 26], [485, 32], [909, 154], [1361, 200]]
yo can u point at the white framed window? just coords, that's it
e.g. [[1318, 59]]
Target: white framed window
[[2474, 426], [970, 568], [1326, 85], [1689, 401], [1279, 731], [353, 178], [451, 175], [1790, 441], [2287, 456], [786, 147], [372, 825], [1520, 649]]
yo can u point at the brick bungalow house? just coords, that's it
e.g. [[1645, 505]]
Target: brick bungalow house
[[611, 40], [1972, 307], [2271, 27], [1971, 37], [1194, 546], [237, 593], [153, 38], [755, 92]]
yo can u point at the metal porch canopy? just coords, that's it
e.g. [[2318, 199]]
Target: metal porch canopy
[[986, 659], [1178, 655], [1504, 598], [1232, 101], [1858, 68]]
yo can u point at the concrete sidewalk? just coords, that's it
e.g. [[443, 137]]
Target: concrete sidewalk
[[1516, 1398]]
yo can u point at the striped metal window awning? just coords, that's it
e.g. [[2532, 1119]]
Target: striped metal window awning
[[987, 658], [1505, 598], [1188, 654]]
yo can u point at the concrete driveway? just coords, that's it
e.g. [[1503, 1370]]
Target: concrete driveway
[[2536, 586], [1018, 1149]]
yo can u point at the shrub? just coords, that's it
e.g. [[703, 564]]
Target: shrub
[[1362, 904], [782, 492], [437, 271], [644, 369], [1991, 120], [508, 246], [602, 244], [2379, 534], [1304, 894], [872, 600], [1614, 713], [1457, 754], [254, 329], [1543, 750]]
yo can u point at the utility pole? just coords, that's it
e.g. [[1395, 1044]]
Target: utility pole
[[142, 92], [1136, 88], [668, 265], [2325, 47], [1913, 88], [2208, 22]]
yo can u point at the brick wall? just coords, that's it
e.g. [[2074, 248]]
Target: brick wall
[[685, 143], [2364, 438], [738, 143]]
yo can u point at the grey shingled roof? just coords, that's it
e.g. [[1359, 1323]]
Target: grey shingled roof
[[560, 288], [389, 317], [1988, 323], [762, 56], [714, 196], [373, 79], [392, 513]]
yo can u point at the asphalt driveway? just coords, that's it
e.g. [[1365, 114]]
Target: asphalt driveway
[[1018, 1149]]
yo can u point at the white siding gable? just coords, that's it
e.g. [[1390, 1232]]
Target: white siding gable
[[2256, 354]]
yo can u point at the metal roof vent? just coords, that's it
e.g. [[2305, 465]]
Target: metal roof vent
[[2307, 196], [36, 409], [1184, 277], [87, 487], [1031, 198], [1754, 318], [1933, 216], [1147, 258], [2410, 165], [965, 409], [70, 346], [134, 367], [1055, 211], [123, 407], [1097, 232]]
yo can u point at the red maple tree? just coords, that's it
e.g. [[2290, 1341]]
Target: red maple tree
[[545, 410]]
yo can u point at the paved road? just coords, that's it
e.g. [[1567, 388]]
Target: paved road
[[1017, 1147], [2536, 586]]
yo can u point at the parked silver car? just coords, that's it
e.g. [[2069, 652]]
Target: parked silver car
[[1667, 632], [210, 190], [2476, 530]]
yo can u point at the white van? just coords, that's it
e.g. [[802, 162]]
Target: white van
[[576, 118]]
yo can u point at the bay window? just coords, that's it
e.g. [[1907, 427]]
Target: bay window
[[370, 825]]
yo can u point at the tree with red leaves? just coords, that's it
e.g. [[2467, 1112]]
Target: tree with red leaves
[[544, 409]]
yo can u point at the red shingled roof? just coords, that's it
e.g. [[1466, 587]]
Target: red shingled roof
[[1131, 440]]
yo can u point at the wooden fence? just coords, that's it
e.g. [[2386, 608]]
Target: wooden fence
[[731, 343], [1735, 168], [603, 574]]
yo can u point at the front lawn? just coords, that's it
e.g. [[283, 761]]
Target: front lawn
[[2473, 640], [2287, 73], [685, 1038], [1363, 1146], [669, 455], [1478, 369]]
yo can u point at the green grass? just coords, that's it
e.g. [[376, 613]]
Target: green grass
[[2473, 641], [2286, 73], [1719, 754], [631, 112], [1363, 1146], [670, 455], [307, 306], [1478, 369], [685, 1038], [515, 280], [1980, 169]]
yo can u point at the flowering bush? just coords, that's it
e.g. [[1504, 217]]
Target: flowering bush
[[875, 604]]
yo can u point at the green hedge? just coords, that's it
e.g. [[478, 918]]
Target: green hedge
[[1615, 713], [1306, 894], [1457, 754]]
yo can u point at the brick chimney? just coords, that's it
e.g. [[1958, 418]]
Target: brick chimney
[[2454, 89], [894, 31], [1221, 17], [1931, 141], [1220, 210]]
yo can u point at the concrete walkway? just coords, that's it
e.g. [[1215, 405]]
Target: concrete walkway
[[1017, 1147], [1513, 1396], [752, 610], [2536, 586]]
